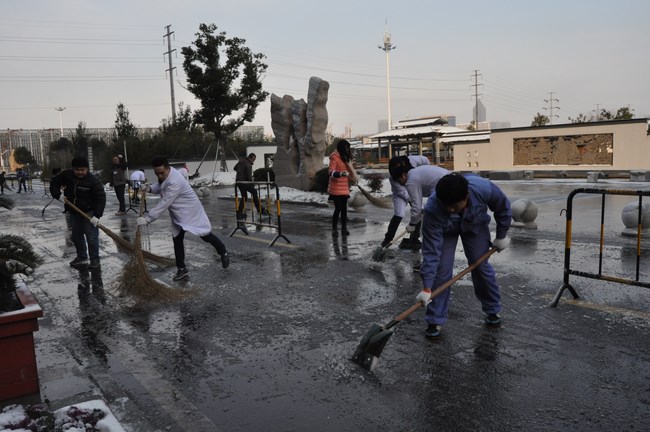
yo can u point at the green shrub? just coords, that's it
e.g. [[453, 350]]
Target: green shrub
[[261, 175], [375, 181], [321, 181]]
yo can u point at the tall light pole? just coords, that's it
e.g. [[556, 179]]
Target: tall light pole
[[60, 110], [387, 48]]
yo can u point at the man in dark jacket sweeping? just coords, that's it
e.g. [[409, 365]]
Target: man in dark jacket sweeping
[[86, 192], [244, 169]]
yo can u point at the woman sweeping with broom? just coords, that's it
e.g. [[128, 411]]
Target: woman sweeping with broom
[[186, 212], [341, 175]]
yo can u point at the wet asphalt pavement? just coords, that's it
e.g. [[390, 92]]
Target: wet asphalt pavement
[[265, 344]]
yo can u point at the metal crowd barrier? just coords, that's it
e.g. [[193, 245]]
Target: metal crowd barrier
[[241, 223], [567, 248]]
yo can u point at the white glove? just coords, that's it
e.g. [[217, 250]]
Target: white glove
[[424, 297], [94, 221], [501, 244], [141, 221], [344, 173], [410, 228]]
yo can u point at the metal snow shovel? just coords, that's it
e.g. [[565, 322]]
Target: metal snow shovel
[[380, 253], [372, 344]]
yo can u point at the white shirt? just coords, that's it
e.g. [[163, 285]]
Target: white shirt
[[421, 183], [185, 209], [137, 178], [400, 195]]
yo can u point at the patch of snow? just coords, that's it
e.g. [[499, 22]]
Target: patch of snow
[[286, 193], [13, 415]]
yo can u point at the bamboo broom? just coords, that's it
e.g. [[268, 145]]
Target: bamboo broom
[[136, 280], [373, 200]]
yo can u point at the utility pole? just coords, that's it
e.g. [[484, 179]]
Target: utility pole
[[60, 110], [476, 95], [387, 48], [170, 70], [550, 109], [597, 112]]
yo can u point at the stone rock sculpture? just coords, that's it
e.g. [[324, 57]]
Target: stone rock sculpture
[[299, 130]]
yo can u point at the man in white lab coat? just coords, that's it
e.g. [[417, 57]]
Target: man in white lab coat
[[185, 210]]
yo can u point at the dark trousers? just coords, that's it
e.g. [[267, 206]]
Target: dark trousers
[[179, 247], [340, 209], [119, 192], [242, 202], [84, 233]]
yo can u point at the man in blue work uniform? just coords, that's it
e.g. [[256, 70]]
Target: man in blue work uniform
[[459, 208]]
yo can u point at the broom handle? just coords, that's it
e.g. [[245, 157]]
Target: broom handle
[[82, 213], [441, 288], [75, 208], [399, 236]]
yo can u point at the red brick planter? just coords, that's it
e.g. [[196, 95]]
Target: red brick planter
[[18, 373]]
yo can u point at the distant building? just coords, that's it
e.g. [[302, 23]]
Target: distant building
[[382, 126], [250, 132], [500, 125], [613, 145], [37, 141]]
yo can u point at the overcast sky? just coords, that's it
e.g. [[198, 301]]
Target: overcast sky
[[89, 55]]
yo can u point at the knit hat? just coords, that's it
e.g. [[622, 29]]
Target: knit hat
[[80, 162]]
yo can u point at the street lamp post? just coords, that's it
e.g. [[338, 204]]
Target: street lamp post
[[387, 48], [60, 110]]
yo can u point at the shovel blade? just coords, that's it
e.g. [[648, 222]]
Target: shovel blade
[[371, 346]]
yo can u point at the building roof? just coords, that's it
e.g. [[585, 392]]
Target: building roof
[[417, 131], [466, 136]]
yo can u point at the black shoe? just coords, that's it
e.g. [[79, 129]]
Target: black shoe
[[79, 262], [405, 244], [94, 263], [416, 244], [432, 331], [225, 260], [181, 274], [493, 320]]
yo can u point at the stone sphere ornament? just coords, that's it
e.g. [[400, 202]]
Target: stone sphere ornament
[[630, 218], [524, 213]]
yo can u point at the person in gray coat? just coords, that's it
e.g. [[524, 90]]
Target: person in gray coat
[[118, 181]]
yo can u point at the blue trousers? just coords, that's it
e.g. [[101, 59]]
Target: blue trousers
[[486, 288], [83, 232]]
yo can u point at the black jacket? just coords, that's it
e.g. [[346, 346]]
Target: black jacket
[[87, 192], [244, 169]]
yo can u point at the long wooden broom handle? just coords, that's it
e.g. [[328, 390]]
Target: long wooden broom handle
[[444, 286], [75, 208], [399, 236]]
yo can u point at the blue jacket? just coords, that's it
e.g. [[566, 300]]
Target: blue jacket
[[483, 195]]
